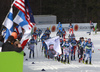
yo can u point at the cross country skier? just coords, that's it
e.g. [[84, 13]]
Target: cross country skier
[[42, 39], [78, 44], [84, 53], [61, 42], [48, 36], [59, 27], [70, 37], [73, 49], [31, 46], [66, 49], [59, 33], [81, 45], [89, 48], [47, 32], [70, 29], [63, 33], [91, 27], [44, 46], [58, 56], [34, 35], [38, 31]]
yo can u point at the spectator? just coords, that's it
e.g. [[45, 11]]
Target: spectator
[[9, 45]]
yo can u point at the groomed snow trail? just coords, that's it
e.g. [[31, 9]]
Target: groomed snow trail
[[54, 66]]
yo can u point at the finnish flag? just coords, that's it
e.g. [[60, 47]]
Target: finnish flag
[[21, 21], [8, 23]]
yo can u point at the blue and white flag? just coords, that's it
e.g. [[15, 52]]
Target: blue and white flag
[[24, 6], [8, 23], [21, 21], [56, 42]]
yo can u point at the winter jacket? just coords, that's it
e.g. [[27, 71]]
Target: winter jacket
[[10, 47]]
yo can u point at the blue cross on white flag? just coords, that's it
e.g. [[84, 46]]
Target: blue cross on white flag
[[21, 21], [8, 23]]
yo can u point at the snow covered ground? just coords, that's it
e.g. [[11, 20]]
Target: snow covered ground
[[54, 66]]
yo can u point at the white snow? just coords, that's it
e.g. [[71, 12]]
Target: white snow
[[54, 66]]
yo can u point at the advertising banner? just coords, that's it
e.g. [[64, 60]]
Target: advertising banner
[[76, 26]]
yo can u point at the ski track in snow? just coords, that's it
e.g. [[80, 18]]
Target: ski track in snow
[[54, 66]]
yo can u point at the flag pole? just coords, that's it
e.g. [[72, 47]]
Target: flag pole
[[1, 29]]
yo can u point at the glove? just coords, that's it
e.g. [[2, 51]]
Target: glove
[[93, 51]]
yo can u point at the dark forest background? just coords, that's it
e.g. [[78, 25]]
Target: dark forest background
[[75, 11]]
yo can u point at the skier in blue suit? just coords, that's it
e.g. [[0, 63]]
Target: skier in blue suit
[[89, 48], [59, 27]]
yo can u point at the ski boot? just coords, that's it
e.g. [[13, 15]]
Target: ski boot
[[58, 59], [74, 57], [71, 58], [83, 60], [29, 55], [90, 62], [68, 61], [78, 55], [79, 61], [86, 62], [62, 60]]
